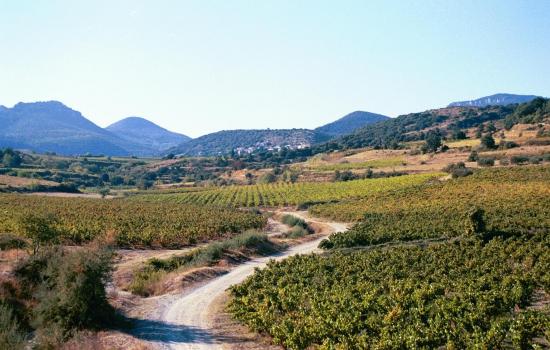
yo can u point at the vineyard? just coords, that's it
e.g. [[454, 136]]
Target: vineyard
[[515, 201], [392, 288], [464, 295], [284, 194], [132, 223]]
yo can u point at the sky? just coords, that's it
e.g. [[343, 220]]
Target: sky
[[197, 67]]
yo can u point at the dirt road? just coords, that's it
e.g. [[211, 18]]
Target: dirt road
[[184, 321]]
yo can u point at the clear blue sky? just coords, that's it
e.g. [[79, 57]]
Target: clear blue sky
[[201, 66]]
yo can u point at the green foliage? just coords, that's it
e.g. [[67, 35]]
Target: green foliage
[[40, 229], [488, 142], [131, 222], [458, 170], [475, 223], [283, 194], [486, 161], [515, 200], [66, 291], [460, 295], [433, 142]]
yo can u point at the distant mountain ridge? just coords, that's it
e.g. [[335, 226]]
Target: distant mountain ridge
[[51, 126], [350, 122], [495, 100], [142, 132]]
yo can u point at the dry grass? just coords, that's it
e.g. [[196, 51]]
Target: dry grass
[[15, 181]]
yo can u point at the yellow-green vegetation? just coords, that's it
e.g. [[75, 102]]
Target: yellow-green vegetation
[[515, 200], [463, 295], [282, 194], [463, 143], [130, 222], [374, 163], [346, 165], [459, 264]]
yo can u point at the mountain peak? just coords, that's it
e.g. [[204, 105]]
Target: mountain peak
[[350, 122], [141, 131], [500, 99]]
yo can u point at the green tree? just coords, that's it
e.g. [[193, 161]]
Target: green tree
[[11, 159], [433, 142], [39, 229], [488, 142]]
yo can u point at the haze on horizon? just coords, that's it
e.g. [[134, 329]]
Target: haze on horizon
[[201, 66]]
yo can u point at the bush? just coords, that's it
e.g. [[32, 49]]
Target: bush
[[458, 170], [473, 157], [296, 232], [70, 291], [507, 144], [11, 335], [519, 159], [486, 161], [504, 161], [292, 220]]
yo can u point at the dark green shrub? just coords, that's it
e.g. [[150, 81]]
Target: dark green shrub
[[535, 160], [486, 161], [473, 156], [458, 170], [518, 159]]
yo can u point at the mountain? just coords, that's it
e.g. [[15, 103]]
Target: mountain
[[349, 123], [495, 100], [227, 141], [53, 127], [145, 134]]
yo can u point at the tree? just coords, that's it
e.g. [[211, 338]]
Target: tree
[[11, 159], [433, 142], [488, 142], [40, 229]]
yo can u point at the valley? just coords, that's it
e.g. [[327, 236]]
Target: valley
[[429, 230]]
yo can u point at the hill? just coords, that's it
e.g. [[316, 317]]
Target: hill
[[53, 127], [349, 123], [414, 126], [146, 134], [246, 141], [494, 100]]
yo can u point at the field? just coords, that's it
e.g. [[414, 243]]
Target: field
[[515, 200], [418, 270], [284, 194], [131, 223], [456, 296]]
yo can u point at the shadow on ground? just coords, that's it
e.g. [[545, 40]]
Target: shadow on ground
[[162, 332]]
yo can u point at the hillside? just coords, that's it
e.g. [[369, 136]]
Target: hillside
[[244, 141], [414, 126], [53, 127], [145, 134], [349, 123], [494, 100]]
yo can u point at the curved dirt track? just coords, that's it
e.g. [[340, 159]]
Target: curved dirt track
[[184, 321]]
